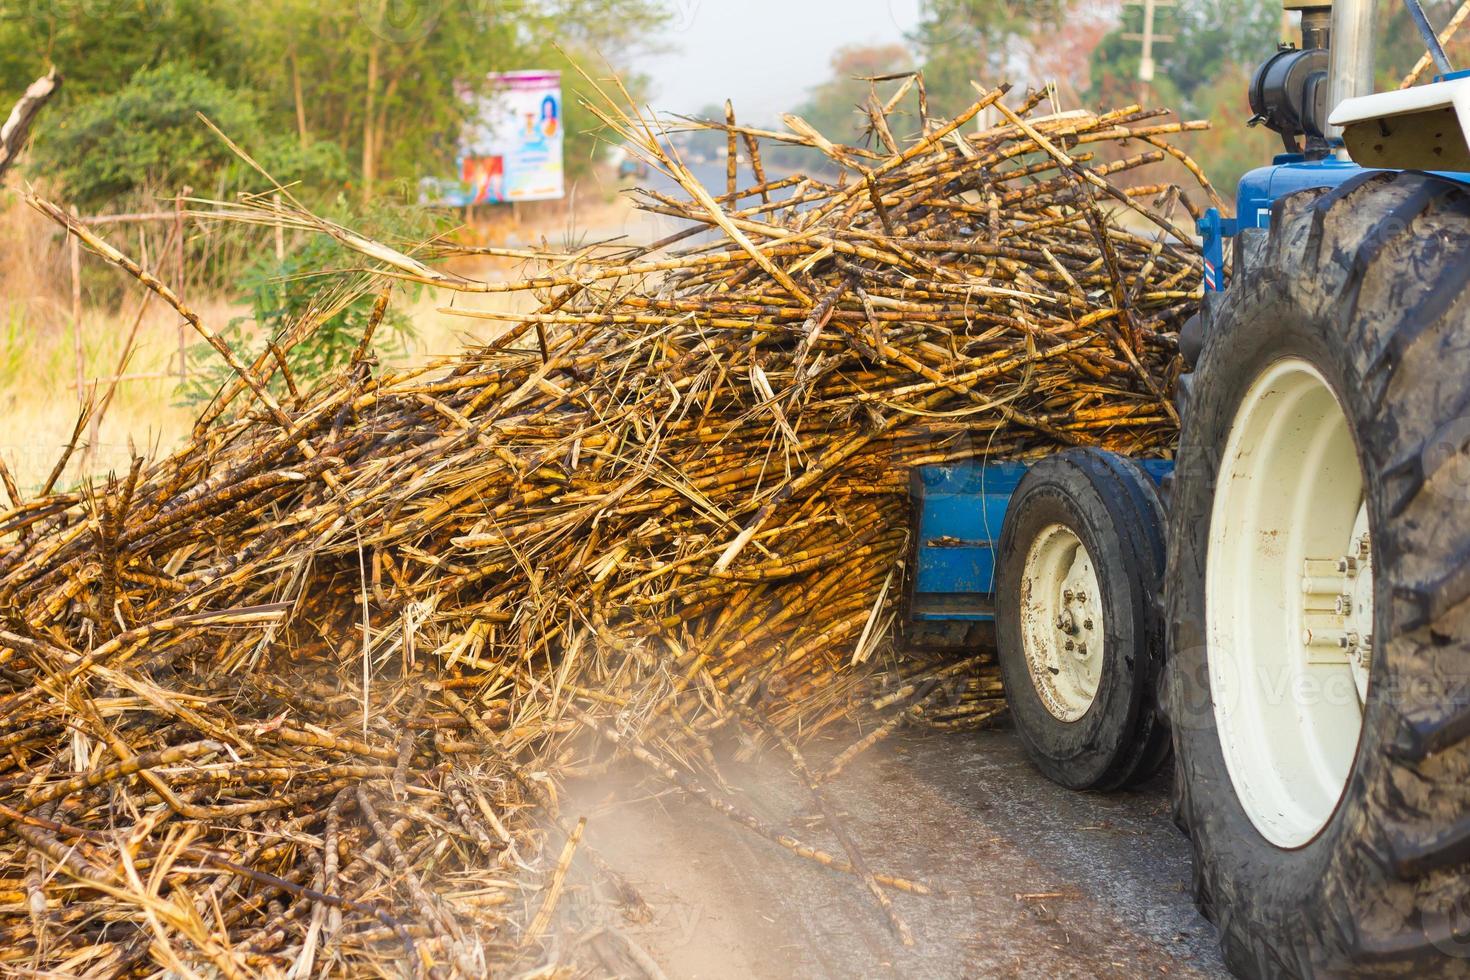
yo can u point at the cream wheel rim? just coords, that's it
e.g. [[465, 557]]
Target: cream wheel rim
[[1062, 623], [1289, 602]]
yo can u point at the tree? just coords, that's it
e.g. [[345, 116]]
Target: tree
[[1400, 47], [1203, 73], [387, 80], [1213, 35], [985, 41], [1067, 52], [99, 47], [836, 107], [154, 142], [383, 80], [1210, 38]]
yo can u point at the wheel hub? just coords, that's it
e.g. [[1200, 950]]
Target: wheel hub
[[1061, 626], [1337, 608]]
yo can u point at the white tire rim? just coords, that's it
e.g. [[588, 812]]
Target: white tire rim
[[1289, 603], [1062, 623]]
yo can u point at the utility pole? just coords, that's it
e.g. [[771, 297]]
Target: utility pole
[[1148, 39]]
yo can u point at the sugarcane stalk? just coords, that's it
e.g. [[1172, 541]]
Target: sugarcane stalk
[[686, 494]]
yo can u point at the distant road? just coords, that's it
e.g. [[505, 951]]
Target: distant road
[[711, 174]]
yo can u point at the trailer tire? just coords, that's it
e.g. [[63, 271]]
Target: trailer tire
[[1105, 509], [1368, 285]]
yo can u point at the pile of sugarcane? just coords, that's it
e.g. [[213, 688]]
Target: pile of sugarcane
[[300, 696]]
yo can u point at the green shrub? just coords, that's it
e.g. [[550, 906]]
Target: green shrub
[[113, 149], [309, 276]]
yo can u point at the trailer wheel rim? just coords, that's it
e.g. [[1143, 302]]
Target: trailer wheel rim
[[1062, 623], [1289, 603]]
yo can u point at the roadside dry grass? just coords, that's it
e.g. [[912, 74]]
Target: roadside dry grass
[[38, 398], [38, 391]]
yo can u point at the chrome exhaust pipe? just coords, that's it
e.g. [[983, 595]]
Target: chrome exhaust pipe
[[1354, 33]]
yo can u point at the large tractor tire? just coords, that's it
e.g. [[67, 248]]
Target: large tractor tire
[[1078, 625], [1319, 591]]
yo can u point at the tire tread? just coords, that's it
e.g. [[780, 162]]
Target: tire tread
[[1384, 262]]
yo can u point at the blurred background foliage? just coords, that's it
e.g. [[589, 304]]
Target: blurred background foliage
[[350, 102], [313, 281], [356, 96], [363, 97], [1083, 48]]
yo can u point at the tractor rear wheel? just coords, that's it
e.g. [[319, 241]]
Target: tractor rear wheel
[[1318, 578]]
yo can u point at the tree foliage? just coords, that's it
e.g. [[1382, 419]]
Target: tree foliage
[[1399, 45], [837, 106], [148, 136], [381, 81], [987, 41], [99, 45], [1084, 47], [1208, 41]]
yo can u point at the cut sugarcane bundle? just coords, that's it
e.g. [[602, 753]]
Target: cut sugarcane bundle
[[303, 691]]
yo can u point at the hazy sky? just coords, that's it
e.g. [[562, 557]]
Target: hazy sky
[[764, 54]]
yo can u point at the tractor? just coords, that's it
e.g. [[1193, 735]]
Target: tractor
[[1284, 608]]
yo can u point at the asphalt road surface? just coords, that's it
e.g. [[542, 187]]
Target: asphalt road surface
[[1042, 882]]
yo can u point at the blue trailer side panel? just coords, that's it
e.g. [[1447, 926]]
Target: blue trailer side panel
[[959, 510]]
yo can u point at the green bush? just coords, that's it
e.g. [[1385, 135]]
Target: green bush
[[146, 137], [380, 82], [281, 292]]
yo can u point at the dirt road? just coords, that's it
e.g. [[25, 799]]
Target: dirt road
[[1044, 883]]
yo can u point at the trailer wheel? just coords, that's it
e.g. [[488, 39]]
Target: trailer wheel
[[1078, 628], [1319, 571]]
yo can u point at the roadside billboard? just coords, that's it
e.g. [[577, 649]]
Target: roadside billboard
[[511, 149]]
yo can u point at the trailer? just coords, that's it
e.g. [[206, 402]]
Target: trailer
[[1284, 608]]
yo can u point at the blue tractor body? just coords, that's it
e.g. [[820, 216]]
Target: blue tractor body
[[1259, 190]]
